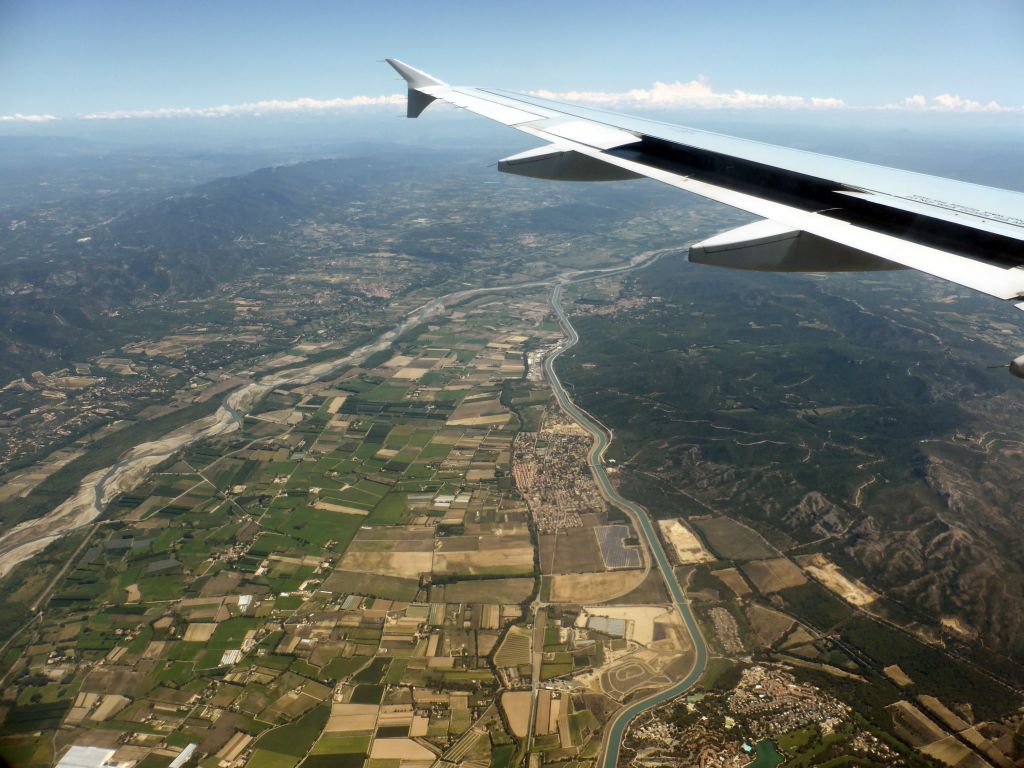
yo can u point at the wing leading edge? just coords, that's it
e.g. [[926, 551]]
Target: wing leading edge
[[824, 213]]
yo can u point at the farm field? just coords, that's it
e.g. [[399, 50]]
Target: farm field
[[734, 580], [483, 590], [369, 499], [601, 586], [516, 706], [773, 575], [731, 540], [771, 626], [575, 550]]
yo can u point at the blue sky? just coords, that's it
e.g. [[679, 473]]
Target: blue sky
[[65, 59]]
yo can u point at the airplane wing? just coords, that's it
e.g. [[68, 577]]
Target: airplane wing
[[819, 213]]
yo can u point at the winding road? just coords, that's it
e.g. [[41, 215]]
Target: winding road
[[617, 727]]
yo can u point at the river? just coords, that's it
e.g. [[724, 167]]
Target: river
[[616, 728]]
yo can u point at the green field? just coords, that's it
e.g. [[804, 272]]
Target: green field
[[295, 739]]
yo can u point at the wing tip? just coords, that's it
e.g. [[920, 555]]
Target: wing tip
[[416, 78], [417, 98]]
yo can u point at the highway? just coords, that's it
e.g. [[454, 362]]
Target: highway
[[617, 726]]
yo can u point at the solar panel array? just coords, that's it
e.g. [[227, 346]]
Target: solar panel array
[[616, 554]]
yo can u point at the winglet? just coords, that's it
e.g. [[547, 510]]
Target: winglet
[[414, 77], [418, 100]]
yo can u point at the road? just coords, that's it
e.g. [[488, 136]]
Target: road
[[616, 728], [540, 623]]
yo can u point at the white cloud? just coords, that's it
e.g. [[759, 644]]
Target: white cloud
[[699, 94], [253, 109], [694, 93], [17, 117], [948, 102], [827, 103]]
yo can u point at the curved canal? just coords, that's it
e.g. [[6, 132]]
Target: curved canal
[[617, 727]]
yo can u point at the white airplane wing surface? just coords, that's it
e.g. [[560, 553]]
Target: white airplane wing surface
[[820, 213]]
